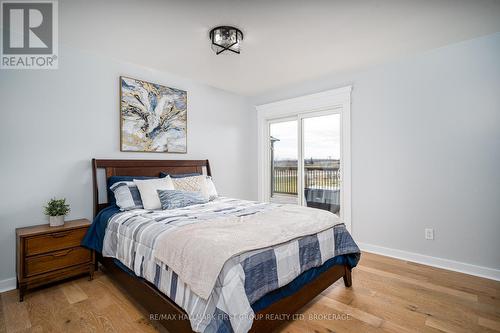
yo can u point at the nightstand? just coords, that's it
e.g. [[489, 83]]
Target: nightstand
[[47, 254]]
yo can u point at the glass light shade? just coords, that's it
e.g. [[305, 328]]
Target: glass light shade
[[226, 38]]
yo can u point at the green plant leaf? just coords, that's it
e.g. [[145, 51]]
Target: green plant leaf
[[56, 207]]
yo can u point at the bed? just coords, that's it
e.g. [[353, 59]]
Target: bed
[[170, 302]]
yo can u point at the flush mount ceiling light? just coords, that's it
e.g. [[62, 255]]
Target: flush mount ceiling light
[[225, 38]]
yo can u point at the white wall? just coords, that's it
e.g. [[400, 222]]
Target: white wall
[[426, 151], [425, 145], [53, 123]]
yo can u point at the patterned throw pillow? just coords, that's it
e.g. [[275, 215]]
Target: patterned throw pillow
[[192, 184], [171, 199], [117, 179], [126, 195]]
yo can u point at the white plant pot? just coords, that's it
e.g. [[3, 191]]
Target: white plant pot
[[56, 221]]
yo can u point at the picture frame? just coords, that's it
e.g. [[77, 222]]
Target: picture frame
[[153, 117]]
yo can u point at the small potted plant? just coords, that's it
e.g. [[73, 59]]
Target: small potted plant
[[56, 210]]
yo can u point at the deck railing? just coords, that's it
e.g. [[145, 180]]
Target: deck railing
[[285, 179]]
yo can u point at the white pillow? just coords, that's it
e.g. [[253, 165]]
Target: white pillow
[[148, 190], [192, 184], [212, 191]]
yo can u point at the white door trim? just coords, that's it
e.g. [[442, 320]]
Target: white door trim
[[324, 101]]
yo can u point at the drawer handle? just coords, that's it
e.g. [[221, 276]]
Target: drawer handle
[[62, 254], [59, 235]]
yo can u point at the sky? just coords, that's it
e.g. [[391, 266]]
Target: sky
[[321, 138]]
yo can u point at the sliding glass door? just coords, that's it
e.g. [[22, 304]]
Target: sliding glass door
[[305, 160], [321, 161]]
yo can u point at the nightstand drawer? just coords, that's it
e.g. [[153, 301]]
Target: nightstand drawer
[[54, 241], [56, 260]]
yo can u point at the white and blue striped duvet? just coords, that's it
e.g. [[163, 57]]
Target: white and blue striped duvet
[[131, 236]]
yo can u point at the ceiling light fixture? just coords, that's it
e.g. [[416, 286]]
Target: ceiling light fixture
[[226, 38]]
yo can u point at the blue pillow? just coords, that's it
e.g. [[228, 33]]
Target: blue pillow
[[115, 179], [179, 175], [171, 199]]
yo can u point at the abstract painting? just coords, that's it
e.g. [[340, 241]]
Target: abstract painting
[[153, 117]]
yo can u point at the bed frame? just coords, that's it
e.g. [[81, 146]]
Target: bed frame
[[161, 308]]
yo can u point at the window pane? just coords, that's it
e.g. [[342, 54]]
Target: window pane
[[284, 161], [322, 162]]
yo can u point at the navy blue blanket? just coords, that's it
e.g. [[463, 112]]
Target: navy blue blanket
[[95, 235]]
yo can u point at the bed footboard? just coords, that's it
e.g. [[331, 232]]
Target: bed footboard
[[160, 306]]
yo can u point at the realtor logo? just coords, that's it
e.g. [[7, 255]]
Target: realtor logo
[[29, 35]]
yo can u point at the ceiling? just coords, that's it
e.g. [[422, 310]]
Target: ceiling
[[285, 42]]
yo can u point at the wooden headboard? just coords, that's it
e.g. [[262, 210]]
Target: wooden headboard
[[150, 168]]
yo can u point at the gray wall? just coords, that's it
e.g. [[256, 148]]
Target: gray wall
[[426, 151], [54, 122]]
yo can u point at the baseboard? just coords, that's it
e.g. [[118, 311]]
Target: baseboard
[[7, 284], [485, 272]]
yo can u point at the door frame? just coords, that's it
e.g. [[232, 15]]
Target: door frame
[[326, 102]]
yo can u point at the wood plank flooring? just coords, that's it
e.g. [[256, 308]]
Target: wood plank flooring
[[388, 295]]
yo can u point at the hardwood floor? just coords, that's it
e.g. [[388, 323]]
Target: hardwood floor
[[388, 295]]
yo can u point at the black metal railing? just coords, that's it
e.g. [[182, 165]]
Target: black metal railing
[[285, 179]]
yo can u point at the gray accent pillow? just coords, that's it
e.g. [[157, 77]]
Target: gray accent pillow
[[171, 199]]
